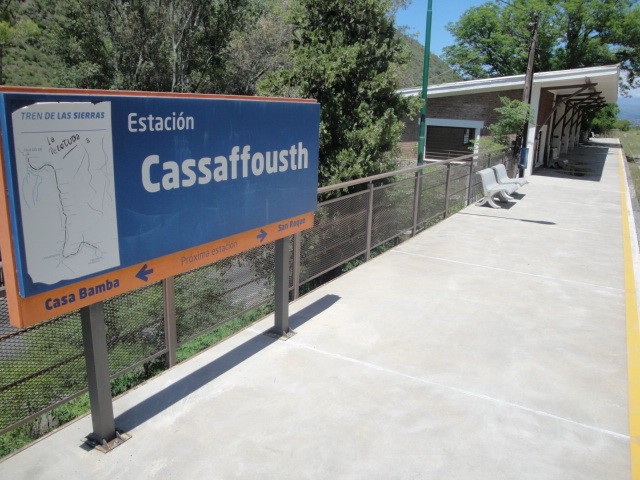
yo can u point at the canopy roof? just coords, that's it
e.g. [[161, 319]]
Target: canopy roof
[[593, 84]]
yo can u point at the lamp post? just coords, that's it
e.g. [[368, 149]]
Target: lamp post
[[425, 86]]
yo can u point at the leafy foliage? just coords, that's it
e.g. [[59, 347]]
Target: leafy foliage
[[492, 39], [345, 56], [604, 119], [164, 45], [489, 41], [253, 52], [14, 31], [623, 125], [513, 116]]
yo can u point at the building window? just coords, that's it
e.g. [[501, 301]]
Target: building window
[[465, 139]]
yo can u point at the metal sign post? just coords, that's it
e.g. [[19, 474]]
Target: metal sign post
[[281, 326], [281, 329], [94, 339]]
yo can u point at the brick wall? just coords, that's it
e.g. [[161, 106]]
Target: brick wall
[[478, 106]]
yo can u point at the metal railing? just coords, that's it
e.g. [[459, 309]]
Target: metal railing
[[43, 367]]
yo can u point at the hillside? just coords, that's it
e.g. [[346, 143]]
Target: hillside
[[411, 74]]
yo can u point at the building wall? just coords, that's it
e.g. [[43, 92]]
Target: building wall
[[480, 106]]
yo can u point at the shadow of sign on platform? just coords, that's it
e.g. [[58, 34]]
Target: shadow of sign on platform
[[162, 400]]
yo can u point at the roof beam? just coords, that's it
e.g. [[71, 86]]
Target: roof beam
[[562, 100]]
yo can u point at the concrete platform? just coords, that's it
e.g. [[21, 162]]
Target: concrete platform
[[492, 346]]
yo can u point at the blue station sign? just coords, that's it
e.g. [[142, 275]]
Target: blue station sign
[[97, 182]]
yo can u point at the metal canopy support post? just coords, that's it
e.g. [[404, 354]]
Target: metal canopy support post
[[281, 326], [94, 339]]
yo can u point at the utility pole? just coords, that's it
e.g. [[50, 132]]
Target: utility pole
[[528, 86], [425, 86]]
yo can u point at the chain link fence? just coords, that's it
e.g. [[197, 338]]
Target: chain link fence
[[43, 366]]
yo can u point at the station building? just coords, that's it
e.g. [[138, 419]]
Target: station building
[[461, 112]]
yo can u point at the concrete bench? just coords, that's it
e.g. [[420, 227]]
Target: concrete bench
[[503, 178], [492, 188]]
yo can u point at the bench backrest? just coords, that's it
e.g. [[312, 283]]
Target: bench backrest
[[488, 178], [501, 173]]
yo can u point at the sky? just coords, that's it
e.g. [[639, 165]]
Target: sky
[[442, 12]]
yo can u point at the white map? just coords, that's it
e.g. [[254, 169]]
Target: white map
[[64, 163]]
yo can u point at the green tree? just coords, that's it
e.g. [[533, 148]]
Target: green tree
[[14, 31], [623, 125], [604, 119], [513, 116], [346, 55], [492, 39], [507, 130], [161, 45], [254, 52]]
